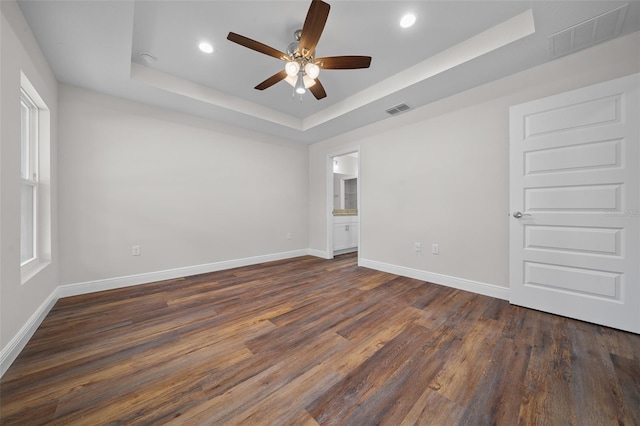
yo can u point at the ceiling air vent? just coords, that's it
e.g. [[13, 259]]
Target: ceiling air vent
[[396, 109], [588, 33]]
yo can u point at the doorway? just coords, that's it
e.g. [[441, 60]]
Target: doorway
[[343, 202]]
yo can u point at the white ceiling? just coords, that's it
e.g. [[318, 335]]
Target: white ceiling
[[454, 45]]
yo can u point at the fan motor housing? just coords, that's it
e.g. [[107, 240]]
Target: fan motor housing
[[293, 49]]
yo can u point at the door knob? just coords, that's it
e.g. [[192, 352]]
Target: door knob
[[518, 215]]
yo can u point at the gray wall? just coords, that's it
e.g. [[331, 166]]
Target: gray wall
[[186, 190]]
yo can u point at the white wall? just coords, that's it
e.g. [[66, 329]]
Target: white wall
[[18, 302], [439, 174], [188, 191]]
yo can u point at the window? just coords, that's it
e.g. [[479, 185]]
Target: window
[[29, 180], [35, 182]]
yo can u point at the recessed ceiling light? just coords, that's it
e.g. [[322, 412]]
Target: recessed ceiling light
[[206, 47], [408, 20]]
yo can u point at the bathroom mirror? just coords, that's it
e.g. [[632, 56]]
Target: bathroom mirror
[[345, 183]]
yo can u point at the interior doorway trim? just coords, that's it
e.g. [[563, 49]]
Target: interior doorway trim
[[329, 197]]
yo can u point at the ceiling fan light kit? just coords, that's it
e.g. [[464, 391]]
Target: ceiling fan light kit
[[302, 68], [300, 89]]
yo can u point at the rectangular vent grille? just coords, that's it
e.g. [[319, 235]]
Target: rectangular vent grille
[[588, 33], [396, 109]]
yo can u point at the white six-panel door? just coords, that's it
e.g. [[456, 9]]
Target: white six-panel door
[[575, 204]]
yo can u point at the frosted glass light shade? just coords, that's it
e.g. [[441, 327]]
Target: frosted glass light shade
[[308, 82], [292, 68], [312, 70]]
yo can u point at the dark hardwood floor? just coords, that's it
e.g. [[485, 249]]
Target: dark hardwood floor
[[310, 341]]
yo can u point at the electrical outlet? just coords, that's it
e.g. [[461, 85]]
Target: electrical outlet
[[288, 235], [418, 247], [135, 250], [435, 249]]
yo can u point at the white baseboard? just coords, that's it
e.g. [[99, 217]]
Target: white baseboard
[[150, 277], [345, 251], [10, 352], [320, 253], [446, 280]]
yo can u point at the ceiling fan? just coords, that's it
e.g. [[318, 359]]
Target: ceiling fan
[[302, 67]]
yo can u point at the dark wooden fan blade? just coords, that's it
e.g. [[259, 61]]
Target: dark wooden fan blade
[[313, 26], [279, 76], [343, 62], [257, 46], [318, 90]]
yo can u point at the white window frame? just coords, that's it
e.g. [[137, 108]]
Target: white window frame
[[29, 177], [38, 176]]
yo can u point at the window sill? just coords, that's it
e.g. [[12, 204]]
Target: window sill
[[32, 269]]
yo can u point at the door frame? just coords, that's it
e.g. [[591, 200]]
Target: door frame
[[329, 197]]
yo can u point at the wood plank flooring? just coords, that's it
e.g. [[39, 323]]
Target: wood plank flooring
[[311, 341]]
